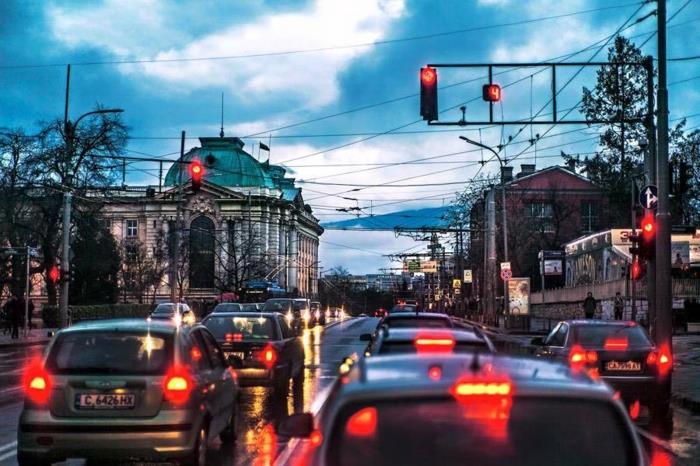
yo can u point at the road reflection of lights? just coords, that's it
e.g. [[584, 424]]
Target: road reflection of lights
[[266, 447]]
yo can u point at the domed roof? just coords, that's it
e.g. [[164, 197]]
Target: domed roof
[[225, 164]]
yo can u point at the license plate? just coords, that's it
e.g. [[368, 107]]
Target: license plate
[[623, 366], [105, 401], [236, 354]]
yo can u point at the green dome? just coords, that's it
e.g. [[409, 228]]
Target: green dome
[[225, 164]]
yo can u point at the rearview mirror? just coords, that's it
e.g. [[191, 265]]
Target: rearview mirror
[[537, 341], [296, 425], [366, 337]]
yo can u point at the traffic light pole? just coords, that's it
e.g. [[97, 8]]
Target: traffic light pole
[[175, 260], [664, 326], [650, 178]]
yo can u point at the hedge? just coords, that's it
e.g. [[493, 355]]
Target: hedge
[[50, 314]]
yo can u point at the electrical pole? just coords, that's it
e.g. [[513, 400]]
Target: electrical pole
[[491, 263], [175, 262], [650, 178], [664, 325], [65, 257]]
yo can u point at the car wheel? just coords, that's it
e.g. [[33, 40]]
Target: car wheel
[[198, 457], [228, 435], [24, 460]]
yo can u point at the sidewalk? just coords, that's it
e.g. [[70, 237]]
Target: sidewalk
[[36, 337], [686, 371]]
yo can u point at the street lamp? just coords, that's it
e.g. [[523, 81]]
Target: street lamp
[[502, 163], [69, 130]]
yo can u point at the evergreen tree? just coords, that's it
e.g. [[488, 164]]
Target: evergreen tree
[[96, 263]]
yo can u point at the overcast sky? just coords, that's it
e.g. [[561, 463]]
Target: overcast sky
[[294, 61]]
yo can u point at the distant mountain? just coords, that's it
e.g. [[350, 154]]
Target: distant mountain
[[419, 218]]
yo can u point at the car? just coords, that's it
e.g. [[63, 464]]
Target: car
[[620, 353], [416, 319], [403, 308], [260, 346], [180, 313], [318, 317], [251, 307], [418, 341], [129, 388], [441, 409], [296, 311], [380, 312], [228, 307]]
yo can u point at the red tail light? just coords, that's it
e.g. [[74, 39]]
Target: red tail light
[[469, 389], [177, 385], [363, 423], [231, 337], [316, 438], [434, 345], [37, 383], [268, 356], [652, 359], [484, 399], [634, 410], [665, 360], [579, 357], [616, 344], [435, 373]]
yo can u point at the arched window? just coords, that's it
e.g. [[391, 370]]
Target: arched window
[[202, 244]]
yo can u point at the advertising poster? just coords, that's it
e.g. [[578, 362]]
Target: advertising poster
[[519, 296], [680, 254]]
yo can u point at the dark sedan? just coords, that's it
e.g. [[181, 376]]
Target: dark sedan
[[620, 353], [260, 346], [422, 341]]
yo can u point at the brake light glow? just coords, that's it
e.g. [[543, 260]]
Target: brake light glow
[[579, 357], [652, 358], [316, 438], [231, 337], [195, 354], [268, 356], [485, 400], [616, 344], [634, 410], [433, 345], [665, 360], [37, 383], [482, 388], [177, 385], [363, 423]]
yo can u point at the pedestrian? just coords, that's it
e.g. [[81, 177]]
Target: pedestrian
[[618, 306], [589, 306], [31, 313], [15, 312], [6, 328]]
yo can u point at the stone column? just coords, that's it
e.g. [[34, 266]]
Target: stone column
[[292, 256]]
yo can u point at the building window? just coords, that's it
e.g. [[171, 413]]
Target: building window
[[542, 213], [589, 216], [132, 228]]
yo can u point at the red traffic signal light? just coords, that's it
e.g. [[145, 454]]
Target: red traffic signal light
[[491, 92], [54, 274], [428, 94], [648, 225], [636, 270], [196, 173]]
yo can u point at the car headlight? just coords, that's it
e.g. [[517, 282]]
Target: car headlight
[[317, 314], [289, 317], [305, 315]]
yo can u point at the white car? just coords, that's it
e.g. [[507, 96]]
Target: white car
[[178, 312]]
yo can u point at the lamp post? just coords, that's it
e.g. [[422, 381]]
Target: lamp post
[[504, 221], [69, 131]]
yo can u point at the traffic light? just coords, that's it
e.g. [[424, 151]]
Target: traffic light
[[54, 274], [647, 245], [636, 270], [428, 94], [491, 92], [196, 173]]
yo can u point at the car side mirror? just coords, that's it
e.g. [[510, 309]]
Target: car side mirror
[[537, 341], [296, 425], [50, 334], [366, 337]]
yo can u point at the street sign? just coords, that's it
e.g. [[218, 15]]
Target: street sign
[[649, 196], [456, 283], [505, 265], [506, 274], [414, 266], [428, 266], [468, 276]]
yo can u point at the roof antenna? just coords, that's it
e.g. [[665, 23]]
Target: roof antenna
[[221, 133]]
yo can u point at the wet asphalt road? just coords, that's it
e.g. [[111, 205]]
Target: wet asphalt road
[[257, 444]]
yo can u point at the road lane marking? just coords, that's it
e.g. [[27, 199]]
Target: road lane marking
[[7, 446], [12, 446], [8, 455], [10, 390]]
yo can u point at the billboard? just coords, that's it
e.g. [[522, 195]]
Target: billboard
[[428, 266], [680, 254], [519, 296]]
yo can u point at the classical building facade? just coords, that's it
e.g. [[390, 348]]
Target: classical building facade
[[247, 221]]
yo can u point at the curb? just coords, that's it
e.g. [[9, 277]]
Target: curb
[[20, 344]]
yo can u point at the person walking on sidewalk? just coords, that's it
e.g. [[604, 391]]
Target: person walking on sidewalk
[[30, 314], [589, 306], [618, 306], [15, 314]]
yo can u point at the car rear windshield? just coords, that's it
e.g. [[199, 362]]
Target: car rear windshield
[[417, 322], [168, 309], [251, 328], [536, 432], [227, 307], [404, 347], [109, 352], [403, 308], [283, 305], [595, 335], [249, 307]]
